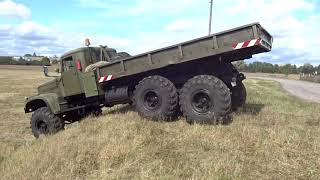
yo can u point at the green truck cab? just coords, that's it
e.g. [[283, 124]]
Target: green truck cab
[[72, 82], [194, 78]]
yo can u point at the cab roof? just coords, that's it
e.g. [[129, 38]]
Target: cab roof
[[69, 53]]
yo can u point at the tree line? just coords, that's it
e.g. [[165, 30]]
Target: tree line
[[264, 67], [8, 60]]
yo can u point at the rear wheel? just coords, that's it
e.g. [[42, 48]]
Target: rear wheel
[[44, 122], [205, 99], [239, 96], [156, 98]]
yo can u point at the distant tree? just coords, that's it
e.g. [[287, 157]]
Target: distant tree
[[5, 59], [270, 68], [267, 68], [54, 61], [27, 55], [34, 54], [307, 68], [240, 65], [295, 70], [35, 62], [287, 69], [260, 67], [45, 61], [276, 68]]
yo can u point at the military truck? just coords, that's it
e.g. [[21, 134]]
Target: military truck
[[195, 79]]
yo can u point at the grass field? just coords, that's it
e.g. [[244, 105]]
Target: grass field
[[275, 136], [274, 75]]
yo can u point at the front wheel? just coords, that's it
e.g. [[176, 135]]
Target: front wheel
[[44, 122], [205, 99]]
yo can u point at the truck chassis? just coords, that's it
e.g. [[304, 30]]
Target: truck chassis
[[195, 79]]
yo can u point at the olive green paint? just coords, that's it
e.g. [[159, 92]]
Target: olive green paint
[[74, 82], [89, 84], [50, 99]]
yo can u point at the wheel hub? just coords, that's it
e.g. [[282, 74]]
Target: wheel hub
[[42, 127], [151, 100], [201, 102]]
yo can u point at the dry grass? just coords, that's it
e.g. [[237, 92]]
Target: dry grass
[[27, 68], [274, 75], [274, 137]]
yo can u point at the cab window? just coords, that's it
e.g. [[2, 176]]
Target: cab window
[[68, 64]]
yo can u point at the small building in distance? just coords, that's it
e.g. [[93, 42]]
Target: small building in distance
[[54, 60], [34, 57], [17, 58], [31, 58]]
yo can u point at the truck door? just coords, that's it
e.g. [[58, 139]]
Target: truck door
[[70, 78]]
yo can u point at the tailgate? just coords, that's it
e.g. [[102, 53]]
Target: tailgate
[[266, 39], [260, 42]]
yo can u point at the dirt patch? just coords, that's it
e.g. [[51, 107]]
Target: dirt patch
[[4, 96]]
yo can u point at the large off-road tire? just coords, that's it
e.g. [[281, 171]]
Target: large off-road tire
[[156, 98], [205, 99], [44, 122], [239, 96]]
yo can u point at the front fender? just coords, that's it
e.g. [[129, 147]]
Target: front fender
[[49, 100]]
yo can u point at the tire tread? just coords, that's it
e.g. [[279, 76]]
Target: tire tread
[[213, 82]]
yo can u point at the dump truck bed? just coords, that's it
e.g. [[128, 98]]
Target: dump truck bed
[[231, 45]]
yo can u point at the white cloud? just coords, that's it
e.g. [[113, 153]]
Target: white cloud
[[5, 26], [293, 23], [31, 31], [85, 24], [274, 8], [30, 36], [4, 31], [179, 25], [164, 6], [9, 8], [144, 26], [138, 7]]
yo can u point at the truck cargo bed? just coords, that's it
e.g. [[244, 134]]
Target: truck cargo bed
[[231, 45]]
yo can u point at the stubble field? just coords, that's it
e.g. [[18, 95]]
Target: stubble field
[[275, 136]]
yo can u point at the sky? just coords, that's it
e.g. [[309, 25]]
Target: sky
[[136, 26]]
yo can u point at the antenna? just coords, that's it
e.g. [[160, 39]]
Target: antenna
[[210, 18]]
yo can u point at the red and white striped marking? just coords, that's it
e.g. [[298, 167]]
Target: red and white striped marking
[[105, 78], [246, 44]]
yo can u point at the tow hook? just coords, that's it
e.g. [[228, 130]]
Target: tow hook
[[241, 77], [234, 82]]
